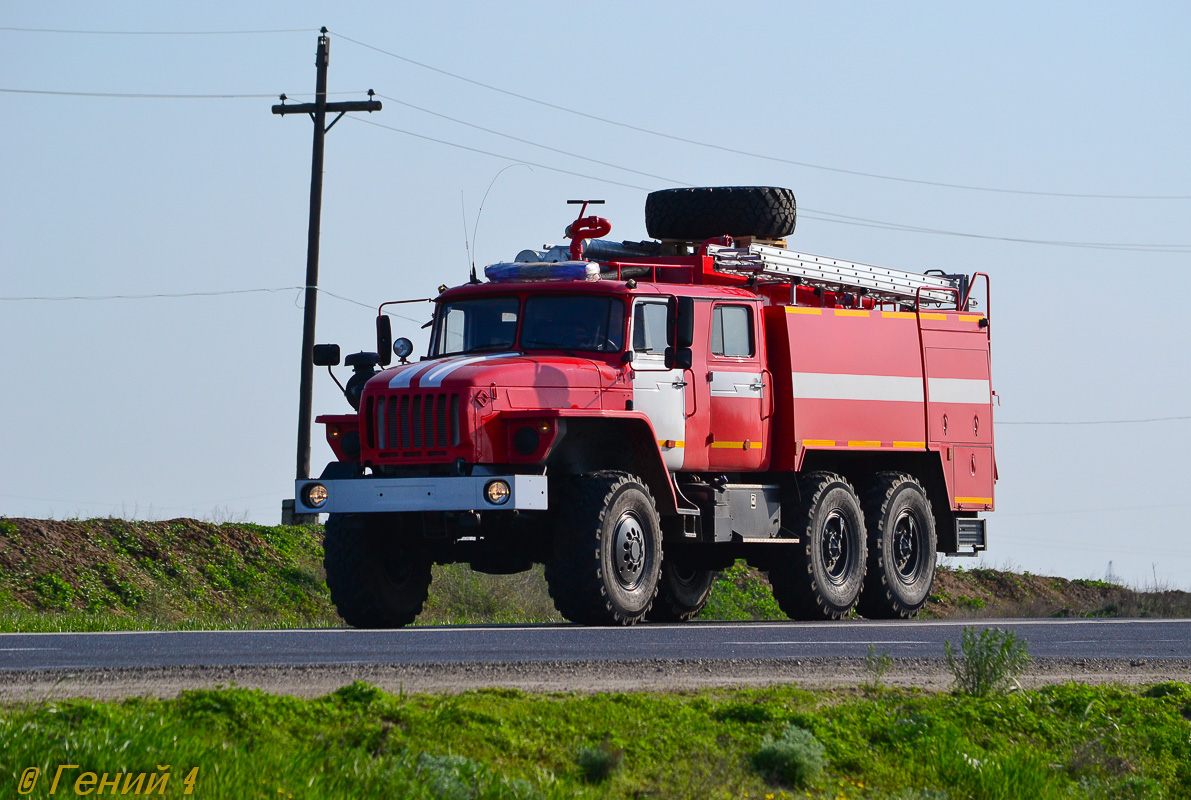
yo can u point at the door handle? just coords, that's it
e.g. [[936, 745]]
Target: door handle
[[678, 384], [756, 385]]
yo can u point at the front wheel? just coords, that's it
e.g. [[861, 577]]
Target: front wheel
[[902, 548], [824, 578], [376, 579], [607, 550]]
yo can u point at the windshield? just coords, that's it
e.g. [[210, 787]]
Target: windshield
[[468, 326], [574, 322]]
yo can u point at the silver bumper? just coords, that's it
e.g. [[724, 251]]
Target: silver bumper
[[378, 495]]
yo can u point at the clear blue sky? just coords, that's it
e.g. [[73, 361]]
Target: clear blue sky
[[187, 406]]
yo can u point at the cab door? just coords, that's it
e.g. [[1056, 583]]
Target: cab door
[[738, 388], [658, 392]]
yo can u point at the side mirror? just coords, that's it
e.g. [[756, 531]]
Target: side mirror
[[684, 325], [326, 355], [384, 340], [680, 358]]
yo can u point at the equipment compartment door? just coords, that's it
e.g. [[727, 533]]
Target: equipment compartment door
[[658, 392], [973, 478], [739, 394]]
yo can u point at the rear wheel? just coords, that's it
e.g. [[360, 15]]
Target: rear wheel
[[376, 579], [902, 547], [824, 578], [682, 592], [607, 550]]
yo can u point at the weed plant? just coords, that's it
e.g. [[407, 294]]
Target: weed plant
[[598, 764], [991, 662], [876, 666], [795, 759]]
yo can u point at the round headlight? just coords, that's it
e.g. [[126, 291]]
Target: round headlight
[[315, 495], [403, 347], [497, 493]]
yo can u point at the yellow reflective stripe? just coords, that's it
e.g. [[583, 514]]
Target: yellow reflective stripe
[[899, 315], [801, 310], [850, 312], [864, 444], [734, 445], [918, 445], [671, 443], [934, 316], [971, 317], [818, 442], [974, 501]]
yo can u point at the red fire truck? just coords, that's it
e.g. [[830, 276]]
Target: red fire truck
[[638, 415]]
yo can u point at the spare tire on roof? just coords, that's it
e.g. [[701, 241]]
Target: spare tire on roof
[[694, 215]]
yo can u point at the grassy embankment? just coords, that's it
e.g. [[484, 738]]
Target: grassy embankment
[[111, 574], [1064, 741]]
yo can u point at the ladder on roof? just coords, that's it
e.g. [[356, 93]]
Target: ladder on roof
[[879, 283]]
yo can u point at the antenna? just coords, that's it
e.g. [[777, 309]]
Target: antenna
[[480, 211]]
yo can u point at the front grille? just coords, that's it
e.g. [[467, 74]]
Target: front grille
[[414, 421]]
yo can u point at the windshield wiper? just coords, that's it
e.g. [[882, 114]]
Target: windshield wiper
[[490, 346]]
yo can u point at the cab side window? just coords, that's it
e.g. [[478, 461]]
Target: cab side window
[[732, 331], [649, 328]]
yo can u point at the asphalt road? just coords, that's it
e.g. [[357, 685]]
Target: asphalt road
[[1099, 639]]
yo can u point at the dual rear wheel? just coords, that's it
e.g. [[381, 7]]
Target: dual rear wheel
[[875, 555]]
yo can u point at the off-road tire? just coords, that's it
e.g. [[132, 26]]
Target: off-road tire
[[607, 549], [824, 577], [902, 547], [376, 581], [682, 592], [695, 215]]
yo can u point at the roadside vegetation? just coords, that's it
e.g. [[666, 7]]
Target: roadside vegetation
[[1061, 741], [115, 574]]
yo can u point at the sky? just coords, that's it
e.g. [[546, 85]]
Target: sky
[[1043, 144]]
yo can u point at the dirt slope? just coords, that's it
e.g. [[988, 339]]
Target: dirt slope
[[112, 573]]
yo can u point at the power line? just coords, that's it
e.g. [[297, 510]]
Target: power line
[[776, 159], [531, 143], [153, 296], [1102, 421], [843, 219], [496, 155], [145, 95], [827, 216], [156, 33]]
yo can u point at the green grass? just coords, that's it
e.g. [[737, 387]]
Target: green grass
[[113, 574], [1066, 741]]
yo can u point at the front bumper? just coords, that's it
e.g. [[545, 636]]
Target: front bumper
[[366, 495]]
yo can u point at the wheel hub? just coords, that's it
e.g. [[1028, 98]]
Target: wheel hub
[[907, 546], [836, 547], [628, 545]]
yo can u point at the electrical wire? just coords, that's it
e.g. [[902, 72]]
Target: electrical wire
[[531, 143], [161, 295], [861, 222], [157, 33], [750, 154], [814, 214], [149, 96], [1102, 421], [495, 155]]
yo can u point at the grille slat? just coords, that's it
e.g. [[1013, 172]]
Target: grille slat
[[454, 419], [416, 420], [413, 421]]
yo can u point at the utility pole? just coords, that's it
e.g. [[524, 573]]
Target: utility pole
[[318, 112]]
